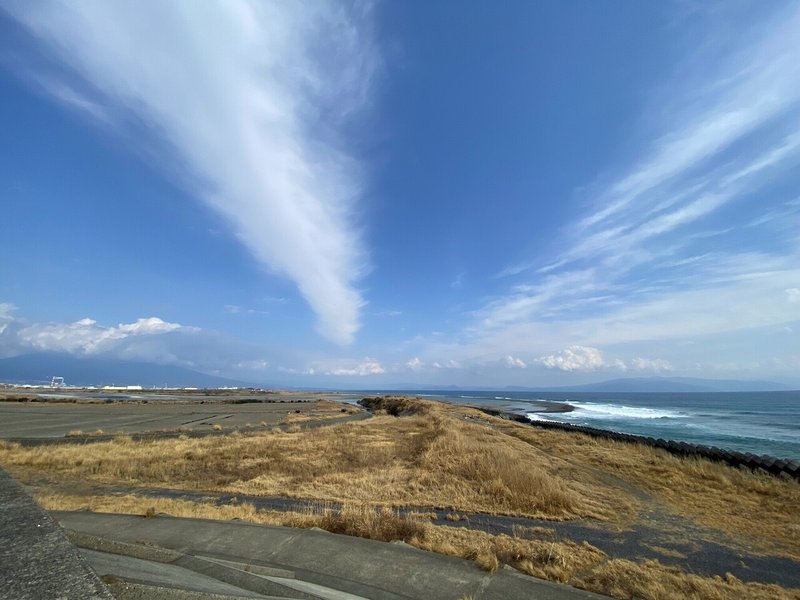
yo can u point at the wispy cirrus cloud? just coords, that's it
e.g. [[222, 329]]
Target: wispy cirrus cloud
[[693, 237], [248, 99], [687, 239], [512, 362], [748, 88]]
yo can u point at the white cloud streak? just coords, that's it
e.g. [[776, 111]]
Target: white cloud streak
[[249, 96], [641, 265], [513, 362], [753, 86], [368, 366]]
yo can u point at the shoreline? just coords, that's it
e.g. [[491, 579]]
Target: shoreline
[[774, 466], [549, 406], [759, 426]]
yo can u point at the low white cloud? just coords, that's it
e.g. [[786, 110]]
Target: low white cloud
[[252, 365], [587, 358], [415, 364], [656, 365], [793, 295], [574, 358], [368, 366], [6, 316], [246, 103], [513, 362], [87, 337], [447, 364], [418, 365], [150, 339], [293, 371]]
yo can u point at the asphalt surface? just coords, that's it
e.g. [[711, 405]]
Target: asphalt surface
[[271, 561]]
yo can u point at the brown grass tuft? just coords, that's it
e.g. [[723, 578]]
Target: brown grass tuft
[[758, 506], [653, 581], [374, 523]]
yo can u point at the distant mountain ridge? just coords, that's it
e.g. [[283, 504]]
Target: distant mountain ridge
[[39, 368]]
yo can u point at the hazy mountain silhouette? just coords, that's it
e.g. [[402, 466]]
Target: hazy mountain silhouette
[[41, 367]]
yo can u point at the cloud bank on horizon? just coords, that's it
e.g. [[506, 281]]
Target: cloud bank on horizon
[[678, 255], [249, 97]]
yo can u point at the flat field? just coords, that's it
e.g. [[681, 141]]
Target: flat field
[[51, 416], [621, 519]]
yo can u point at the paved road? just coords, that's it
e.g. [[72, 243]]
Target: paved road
[[291, 563]]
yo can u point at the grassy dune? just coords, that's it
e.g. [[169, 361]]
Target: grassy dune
[[430, 460], [420, 453]]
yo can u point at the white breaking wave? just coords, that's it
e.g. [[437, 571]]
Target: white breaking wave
[[532, 416], [590, 410]]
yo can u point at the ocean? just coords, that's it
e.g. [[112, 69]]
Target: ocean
[[756, 422]]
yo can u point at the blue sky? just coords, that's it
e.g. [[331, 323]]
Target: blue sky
[[354, 195]]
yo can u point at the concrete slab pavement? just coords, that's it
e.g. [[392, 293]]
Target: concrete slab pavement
[[36, 559], [335, 563]]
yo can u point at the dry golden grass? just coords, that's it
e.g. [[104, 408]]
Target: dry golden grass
[[653, 581], [79, 433], [440, 456], [431, 460], [579, 564], [453, 458], [757, 506], [320, 410], [557, 561]]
